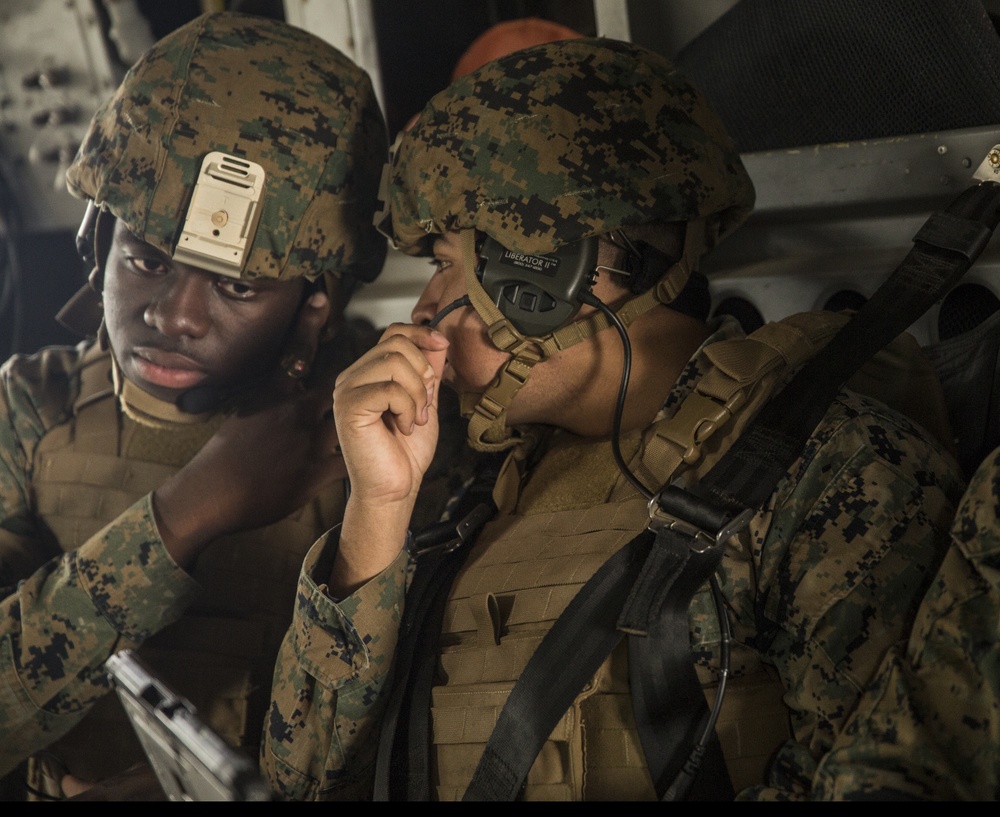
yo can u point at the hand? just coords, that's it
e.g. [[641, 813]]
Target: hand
[[386, 415], [267, 459]]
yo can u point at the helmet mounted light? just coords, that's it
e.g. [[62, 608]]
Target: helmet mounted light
[[222, 218]]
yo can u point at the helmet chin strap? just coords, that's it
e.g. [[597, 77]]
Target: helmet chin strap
[[147, 410], [487, 412]]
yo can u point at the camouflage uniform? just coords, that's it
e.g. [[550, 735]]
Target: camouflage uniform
[[929, 725], [545, 147], [117, 587], [823, 581], [273, 97]]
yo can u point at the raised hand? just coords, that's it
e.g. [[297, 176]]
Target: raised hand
[[386, 415]]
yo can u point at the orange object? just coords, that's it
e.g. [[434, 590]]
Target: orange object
[[510, 35]]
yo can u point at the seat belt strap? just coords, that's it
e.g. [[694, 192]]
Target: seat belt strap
[[745, 477], [944, 249], [550, 682]]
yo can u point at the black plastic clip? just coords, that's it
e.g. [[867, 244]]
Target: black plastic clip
[[444, 537]]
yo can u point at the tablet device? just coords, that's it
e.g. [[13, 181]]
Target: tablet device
[[191, 760]]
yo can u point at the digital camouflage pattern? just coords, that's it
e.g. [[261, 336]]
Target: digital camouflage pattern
[[929, 727], [67, 483], [294, 105], [825, 579], [333, 666], [564, 141], [60, 624]]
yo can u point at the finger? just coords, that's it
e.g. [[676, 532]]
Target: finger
[[417, 347], [395, 362], [423, 337], [394, 350], [384, 404], [399, 400], [300, 350], [434, 347]]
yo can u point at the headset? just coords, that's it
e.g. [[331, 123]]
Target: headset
[[537, 293]]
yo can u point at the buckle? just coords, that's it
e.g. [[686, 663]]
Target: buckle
[[448, 536], [706, 524]]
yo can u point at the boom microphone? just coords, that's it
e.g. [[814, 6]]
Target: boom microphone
[[463, 301]]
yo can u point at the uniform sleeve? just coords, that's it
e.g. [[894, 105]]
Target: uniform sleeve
[[34, 396], [929, 726], [321, 734], [60, 625], [854, 537]]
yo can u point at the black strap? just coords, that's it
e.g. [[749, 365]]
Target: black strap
[[550, 682], [579, 642], [401, 769], [422, 619], [644, 590], [943, 250]]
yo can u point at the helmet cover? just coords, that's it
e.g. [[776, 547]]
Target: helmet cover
[[267, 92], [562, 141]]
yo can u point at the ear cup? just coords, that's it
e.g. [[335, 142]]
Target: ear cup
[[537, 293]]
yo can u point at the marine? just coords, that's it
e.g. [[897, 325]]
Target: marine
[[161, 481], [601, 155], [928, 725]]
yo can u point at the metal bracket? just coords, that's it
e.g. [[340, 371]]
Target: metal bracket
[[703, 537]]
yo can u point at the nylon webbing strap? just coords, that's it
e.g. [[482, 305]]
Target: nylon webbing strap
[[550, 682], [669, 704], [943, 251], [647, 585], [424, 610], [401, 768]]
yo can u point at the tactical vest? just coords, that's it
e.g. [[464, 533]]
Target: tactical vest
[[221, 654], [559, 522]]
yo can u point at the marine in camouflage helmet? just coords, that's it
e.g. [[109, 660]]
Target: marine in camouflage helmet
[[554, 144], [296, 107]]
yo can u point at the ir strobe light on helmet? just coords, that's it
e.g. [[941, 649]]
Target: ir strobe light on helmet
[[222, 218], [537, 293]]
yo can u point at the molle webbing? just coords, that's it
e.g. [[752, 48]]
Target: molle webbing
[[533, 567], [744, 376]]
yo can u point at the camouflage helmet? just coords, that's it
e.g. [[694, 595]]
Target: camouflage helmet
[[231, 107], [563, 141], [551, 145]]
